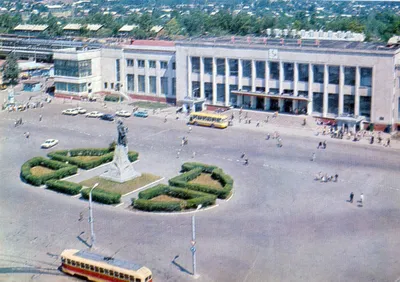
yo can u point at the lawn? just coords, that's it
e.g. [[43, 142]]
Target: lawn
[[165, 198], [87, 158], [40, 170], [150, 105], [206, 179], [121, 188]]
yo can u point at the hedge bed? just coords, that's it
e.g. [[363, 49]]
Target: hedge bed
[[113, 98], [190, 199], [106, 155], [65, 187], [61, 170], [101, 196]]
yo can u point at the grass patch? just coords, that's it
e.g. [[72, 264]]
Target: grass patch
[[165, 198], [149, 105], [40, 170], [121, 188], [86, 158], [206, 179]]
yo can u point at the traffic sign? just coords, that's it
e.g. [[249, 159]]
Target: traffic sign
[[193, 243], [193, 249]]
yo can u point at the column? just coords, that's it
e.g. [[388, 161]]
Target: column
[[341, 90], [240, 72], [214, 79], [325, 99], [146, 77], [281, 77], [295, 103], [189, 87], [253, 75], [310, 89], [267, 103], [170, 75], [357, 93], [253, 102], [135, 81], [266, 77], [227, 90], [202, 78], [158, 85]]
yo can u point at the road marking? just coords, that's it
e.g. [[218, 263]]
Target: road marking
[[119, 205], [76, 196], [162, 131], [143, 187]]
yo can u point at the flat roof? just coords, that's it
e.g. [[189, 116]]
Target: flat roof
[[72, 27], [94, 27], [127, 28], [109, 260], [294, 43], [31, 27], [163, 43]]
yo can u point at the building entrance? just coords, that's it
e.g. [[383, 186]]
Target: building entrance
[[260, 103], [274, 106], [287, 106]]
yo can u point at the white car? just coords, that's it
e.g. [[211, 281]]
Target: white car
[[70, 112], [123, 113], [49, 143], [94, 114], [81, 110]]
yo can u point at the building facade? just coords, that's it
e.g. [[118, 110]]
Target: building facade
[[328, 79]]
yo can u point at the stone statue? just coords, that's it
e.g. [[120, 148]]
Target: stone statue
[[122, 130]]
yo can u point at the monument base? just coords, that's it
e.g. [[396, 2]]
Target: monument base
[[121, 169]]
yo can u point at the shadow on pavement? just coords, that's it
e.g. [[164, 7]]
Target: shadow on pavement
[[83, 240], [181, 268]]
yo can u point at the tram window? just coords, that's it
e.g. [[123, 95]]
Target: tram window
[[131, 278], [138, 280], [73, 263], [63, 259], [82, 265], [147, 279], [116, 274], [121, 275], [106, 271], [111, 273], [101, 270], [126, 276], [68, 261], [86, 266], [92, 268], [96, 269]]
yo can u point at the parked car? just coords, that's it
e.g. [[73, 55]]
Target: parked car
[[108, 117], [70, 112], [49, 143], [81, 110], [142, 114], [123, 113], [94, 114]]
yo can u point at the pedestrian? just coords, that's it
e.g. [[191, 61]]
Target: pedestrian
[[279, 142], [165, 119], [193, 155], [178, 153], [372, 140], [362, 199], [351, 197], [40, 117], [319, 145], [324, 145], [268, 137], [336, 177], [313, 157], [190, 129], [258, 123], [246, 161], [27, 135]]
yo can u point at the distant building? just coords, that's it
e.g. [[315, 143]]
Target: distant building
[[30, 29], [126, 29]]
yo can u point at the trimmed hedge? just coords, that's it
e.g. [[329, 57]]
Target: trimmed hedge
[[146, 205], [160, 189], [205, 167], [113, 98], [65, 187], [61, 170], [185, 177], [105, 156], [101, 196]]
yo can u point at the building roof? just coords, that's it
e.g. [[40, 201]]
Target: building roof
[[157, 28], [163, 43], [94, 27], [31, 27], [260, 42], [24, 66], [72, 27], [127, 28]]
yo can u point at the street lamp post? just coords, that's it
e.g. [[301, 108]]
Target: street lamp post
[[92, 236], [193, 242]]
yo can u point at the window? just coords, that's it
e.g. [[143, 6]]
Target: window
[[164, 85], [164, 65], [116, 274], [71, 87], [141, 82], [174, 66], [92, 268], [208, 91], [220, 66], [318, 71], [365, 106], [140, 63], [318, 101], [366, 77], [288, 71], [221, 93], [130, 62], [82, 265], [73, 263], [112, 85], [208, 65], [246, 68], [303, 72], [153, 84], [260, 69], [274, 70], [121, 275], [130, 82], [196, 64], [333, 73], [111, 273], [106, 271], [233, 67], [73, 68], [138, 280], [174, 86], [131, 278], [96, 269], [118, 70], [349, 76], [126, 276], [333, 103], [152, 64], [101, 270], [348, 104], [68, 261], [105, 85], [63, 259]]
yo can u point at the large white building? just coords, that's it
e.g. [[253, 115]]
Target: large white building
[[348, 81]]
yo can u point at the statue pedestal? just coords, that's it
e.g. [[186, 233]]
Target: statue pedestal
[[120, 169]]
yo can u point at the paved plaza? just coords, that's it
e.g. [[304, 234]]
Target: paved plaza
[[280, 224]]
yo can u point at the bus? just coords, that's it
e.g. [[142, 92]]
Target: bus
[[207, 119], [98, 268]]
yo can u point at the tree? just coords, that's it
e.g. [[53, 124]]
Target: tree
[[11, 69], [173, 28]]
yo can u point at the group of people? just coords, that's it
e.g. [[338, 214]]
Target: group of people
[[361, 201], [324, 177], [322, 145]]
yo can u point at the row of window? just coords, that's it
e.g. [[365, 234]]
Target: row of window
[[101, 270], [73, 68], [150, 63], [288, 71], [141, 87], [71, 87]]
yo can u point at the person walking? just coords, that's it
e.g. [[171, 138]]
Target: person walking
[[193, 155], [242, 156], [258, 123], [324, 145], [190, 129], [178, 153], [336, 177], [319, 145], [351, 197], [246, 161], [268, 137], [40, 118], [362, 199], [313, 157]]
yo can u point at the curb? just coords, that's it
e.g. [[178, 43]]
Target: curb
[[143, 187]]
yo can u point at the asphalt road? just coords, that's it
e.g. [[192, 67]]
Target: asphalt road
[[280, 225]]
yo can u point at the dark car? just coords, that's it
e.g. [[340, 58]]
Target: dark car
[[107, 117]]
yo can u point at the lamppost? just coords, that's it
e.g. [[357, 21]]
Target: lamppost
[[92, 236], [193, 242]]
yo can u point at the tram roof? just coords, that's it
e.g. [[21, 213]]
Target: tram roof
[[108, 260]]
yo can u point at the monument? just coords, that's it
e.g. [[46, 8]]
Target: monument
[[121, 169]]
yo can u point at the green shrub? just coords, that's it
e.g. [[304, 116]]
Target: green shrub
[[61, 170], [65, 187], [160, 189], [205, 168], [147, 205], [113, 98], [133, 201], [101, 196], [185, 177], [133, 156]]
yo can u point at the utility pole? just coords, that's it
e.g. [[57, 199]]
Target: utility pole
[[193, 243], [92, 236]]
